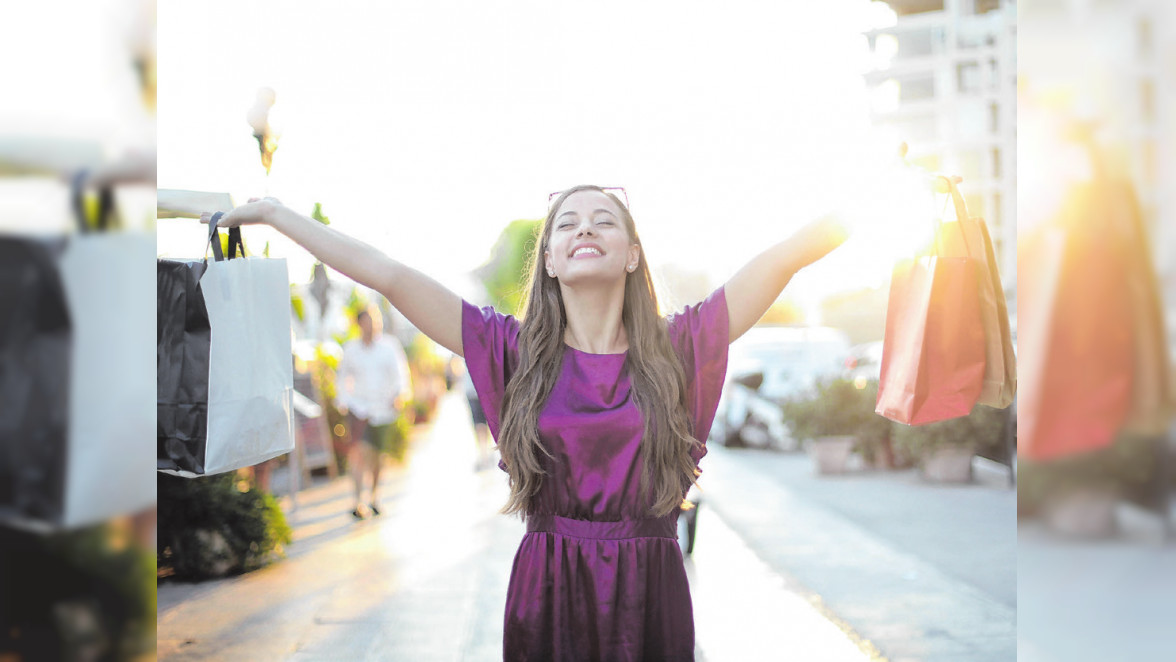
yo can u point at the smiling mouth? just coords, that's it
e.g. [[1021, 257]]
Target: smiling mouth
[[587, 251]]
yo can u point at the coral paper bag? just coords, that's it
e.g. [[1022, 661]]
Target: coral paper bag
[[933, 353], [968, 236]]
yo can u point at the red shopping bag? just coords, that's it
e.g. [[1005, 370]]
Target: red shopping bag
[[968, 236], [933, 353], [1076, 341]]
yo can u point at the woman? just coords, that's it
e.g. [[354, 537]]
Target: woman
[[599, 407]]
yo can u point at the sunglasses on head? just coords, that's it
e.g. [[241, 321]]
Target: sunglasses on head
[[617, 191]]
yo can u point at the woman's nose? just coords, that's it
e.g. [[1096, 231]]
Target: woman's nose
[[585, 228]]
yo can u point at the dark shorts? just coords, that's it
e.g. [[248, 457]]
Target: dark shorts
[[476, 412], [375, 436]]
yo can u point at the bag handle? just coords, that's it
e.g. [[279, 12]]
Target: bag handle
[[78, 204], [961, 210], [214, 239]]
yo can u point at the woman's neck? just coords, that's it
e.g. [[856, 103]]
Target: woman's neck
[[594, 319]]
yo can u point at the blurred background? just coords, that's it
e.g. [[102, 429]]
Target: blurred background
[[77, 376], [1097, 309]]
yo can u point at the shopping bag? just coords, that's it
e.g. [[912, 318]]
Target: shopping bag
[[225, 367], [968, 236], [933, 352], [76, 375], [1077, 347], [1151, 389]]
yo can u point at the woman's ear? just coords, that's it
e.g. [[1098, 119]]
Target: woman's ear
[[634, 258], [547, 265]]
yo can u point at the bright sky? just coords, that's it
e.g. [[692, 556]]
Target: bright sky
[[424, 128]]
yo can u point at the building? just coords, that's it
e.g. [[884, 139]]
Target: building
[[945, 83], [1115, 63]]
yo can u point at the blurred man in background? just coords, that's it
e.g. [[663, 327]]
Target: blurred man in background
[[373, 386]]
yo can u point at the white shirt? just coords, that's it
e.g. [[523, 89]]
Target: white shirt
[[371, 377]]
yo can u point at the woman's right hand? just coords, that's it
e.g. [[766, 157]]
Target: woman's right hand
[[256, 211]]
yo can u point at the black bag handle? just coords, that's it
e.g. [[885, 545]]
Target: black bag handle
[[78, 204], [235, 241]]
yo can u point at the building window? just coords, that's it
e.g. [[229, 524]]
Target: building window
[[994, 117], [908, 7], [916, 89], [968, 77], [1147, 101], [985, 6], [1143, 39], [970, 163], [996, 163]]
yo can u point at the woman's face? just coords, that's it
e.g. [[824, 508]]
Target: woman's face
[[589, 242]]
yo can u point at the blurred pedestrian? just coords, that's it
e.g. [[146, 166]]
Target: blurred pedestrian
[[372, 387], [600, 407]]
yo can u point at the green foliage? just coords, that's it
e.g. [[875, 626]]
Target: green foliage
[[119, 575], [983, 429], [318, 214], [506, 273], [193, 512], [833, 407], [297, 305], [394, 437], [1129, 464]]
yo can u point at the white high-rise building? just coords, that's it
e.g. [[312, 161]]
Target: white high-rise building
[[1114, 66], [945, 83]]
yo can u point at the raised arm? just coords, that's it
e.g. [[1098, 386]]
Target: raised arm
[[430, 306], [751, 291]]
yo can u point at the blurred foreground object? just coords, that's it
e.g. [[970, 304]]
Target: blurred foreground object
[[225, 369], [947, 344], [75, 372], [1092, 331], [178, 203]]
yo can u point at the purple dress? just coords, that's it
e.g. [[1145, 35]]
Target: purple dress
[[594, 578]]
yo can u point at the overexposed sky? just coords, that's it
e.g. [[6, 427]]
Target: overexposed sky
[[425, 127]]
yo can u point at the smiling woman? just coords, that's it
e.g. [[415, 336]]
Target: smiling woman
[[600, 408]]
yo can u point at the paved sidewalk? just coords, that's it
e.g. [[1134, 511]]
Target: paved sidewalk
[[427, 579], [865, 547]]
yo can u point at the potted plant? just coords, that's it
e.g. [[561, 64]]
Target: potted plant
[[1077, 496], [944, 450], [831, 415], [874, 436]]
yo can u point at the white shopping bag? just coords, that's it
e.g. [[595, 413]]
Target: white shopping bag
[[110, 286], [250, 415]]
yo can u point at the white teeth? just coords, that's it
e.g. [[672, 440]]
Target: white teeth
[[581, 251]]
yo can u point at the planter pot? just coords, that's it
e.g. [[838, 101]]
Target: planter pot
[[830, 453], [1083, 512], [949, 464]]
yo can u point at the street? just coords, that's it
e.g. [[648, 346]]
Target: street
[[787, 566]]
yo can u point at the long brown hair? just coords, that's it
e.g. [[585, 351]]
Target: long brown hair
[[658, 380]]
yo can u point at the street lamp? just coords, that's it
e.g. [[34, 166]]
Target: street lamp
[[258, 117]]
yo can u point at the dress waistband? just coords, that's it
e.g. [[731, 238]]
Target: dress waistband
[[661, 527]]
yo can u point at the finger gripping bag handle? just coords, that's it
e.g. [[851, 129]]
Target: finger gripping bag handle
[[235, 241], [78, 204]]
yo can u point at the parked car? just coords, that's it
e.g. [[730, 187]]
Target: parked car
[[766, 366], [864, 361]]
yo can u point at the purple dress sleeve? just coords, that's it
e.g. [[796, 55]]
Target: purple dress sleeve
[[700, 335], [489, 341]]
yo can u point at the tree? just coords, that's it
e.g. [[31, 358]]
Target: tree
[[505, 274]]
